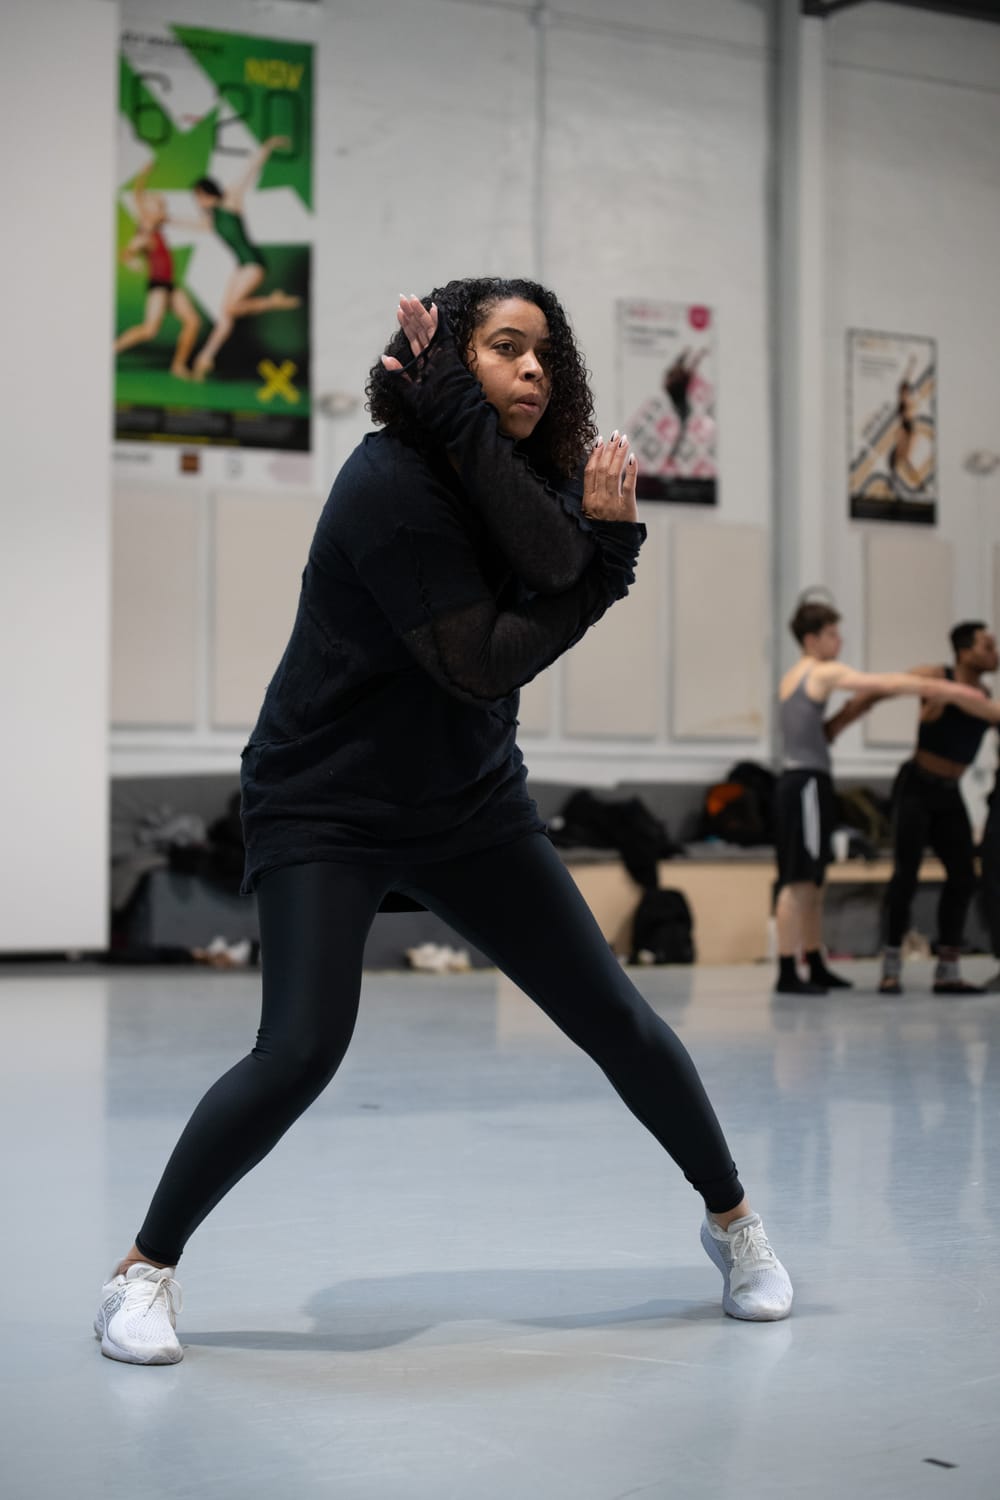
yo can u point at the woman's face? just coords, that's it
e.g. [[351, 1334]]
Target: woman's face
[[508, 355]]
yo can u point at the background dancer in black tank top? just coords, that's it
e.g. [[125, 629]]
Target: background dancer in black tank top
[[928, 810], [464, 547], [804, 803]]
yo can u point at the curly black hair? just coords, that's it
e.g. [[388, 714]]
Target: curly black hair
[[566, 431]]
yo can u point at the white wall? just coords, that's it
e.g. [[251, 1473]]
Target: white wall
[[913, 217], [55, 267]]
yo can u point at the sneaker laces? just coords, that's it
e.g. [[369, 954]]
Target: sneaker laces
[[158, 1289], [751, 1249]]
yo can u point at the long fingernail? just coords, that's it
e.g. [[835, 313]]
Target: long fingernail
[[614, 435], [631, 460], [599, 443], [623, 441]]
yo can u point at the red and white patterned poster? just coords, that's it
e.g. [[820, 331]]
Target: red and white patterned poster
[[667, 380]]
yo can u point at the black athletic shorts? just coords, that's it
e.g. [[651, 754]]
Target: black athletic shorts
[[804, 820], [164, 286]]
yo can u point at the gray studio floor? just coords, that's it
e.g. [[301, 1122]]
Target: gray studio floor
[[467, 1273]]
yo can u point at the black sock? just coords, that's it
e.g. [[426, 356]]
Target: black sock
[[787, 971], [820, 974]]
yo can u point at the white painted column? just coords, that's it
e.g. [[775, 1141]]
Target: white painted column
[[57, 268], [800, 540]]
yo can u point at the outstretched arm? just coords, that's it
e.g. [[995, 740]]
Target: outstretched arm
[[977, 706], [233, 197], [140, 184], [852, 710], [865, 700], [836, 676]]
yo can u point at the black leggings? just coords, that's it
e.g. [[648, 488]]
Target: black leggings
[[519, 905], [989, 858], [929, 810]]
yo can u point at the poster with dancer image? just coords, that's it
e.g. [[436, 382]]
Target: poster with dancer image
[[892, 406], [666, 381], [214, 241]]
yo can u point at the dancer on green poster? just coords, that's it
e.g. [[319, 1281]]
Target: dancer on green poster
[[162, 291], [222, 214]]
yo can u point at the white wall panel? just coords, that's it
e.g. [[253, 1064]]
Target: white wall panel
[[261, 546], [614, 677], [719, 632], [156, 624], [909, 612]]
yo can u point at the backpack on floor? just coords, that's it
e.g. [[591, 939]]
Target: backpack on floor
[[626, 825], [732, 812], [740, 810], [663, 929]]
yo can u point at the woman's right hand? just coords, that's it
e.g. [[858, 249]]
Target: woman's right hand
[[418, 323], [609, 481]]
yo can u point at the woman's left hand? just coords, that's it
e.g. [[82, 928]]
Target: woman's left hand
[[418, 323]]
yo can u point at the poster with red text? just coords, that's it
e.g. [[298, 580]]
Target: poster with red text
[[667, 391]]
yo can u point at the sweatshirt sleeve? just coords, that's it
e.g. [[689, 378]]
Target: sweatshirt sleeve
[[417, 560], [539, 528]]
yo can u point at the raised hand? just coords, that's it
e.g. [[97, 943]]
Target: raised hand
[[609, 481], [418, 323]]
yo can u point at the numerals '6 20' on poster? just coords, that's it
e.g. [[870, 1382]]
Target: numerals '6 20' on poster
[[214, 239]]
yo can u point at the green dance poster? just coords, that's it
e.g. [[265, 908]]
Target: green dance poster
[[214, 240]]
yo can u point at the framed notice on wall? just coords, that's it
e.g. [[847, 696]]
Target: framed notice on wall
[[666, 369], [892, 422], [214, 242]]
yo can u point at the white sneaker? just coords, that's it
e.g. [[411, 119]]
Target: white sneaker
[[137, 1317], [757, 1286]]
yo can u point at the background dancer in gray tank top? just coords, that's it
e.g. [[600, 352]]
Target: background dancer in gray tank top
[[805, 811]]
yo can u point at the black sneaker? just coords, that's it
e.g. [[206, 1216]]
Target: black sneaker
[[798, 986]]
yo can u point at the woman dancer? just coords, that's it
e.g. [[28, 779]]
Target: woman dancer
[[456, 557], [161, 291], [677, 383], [222, 212]]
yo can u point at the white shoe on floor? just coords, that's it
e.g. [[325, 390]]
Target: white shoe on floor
[[757, 1286], [137, 1317]]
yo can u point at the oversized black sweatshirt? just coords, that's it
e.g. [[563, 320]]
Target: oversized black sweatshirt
[[439, 580]]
